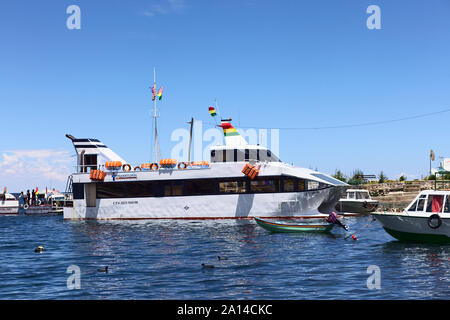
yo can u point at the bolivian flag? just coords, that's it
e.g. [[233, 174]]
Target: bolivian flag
[[212, 111], [228, 129], [159, 94], [4, 190], [37, 191]]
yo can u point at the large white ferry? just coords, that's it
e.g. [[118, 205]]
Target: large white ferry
[[105, 186]]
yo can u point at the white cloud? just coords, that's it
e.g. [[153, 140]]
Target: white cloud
[[165, 7], [25, 169]]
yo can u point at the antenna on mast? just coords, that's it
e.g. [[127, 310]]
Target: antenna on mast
[[155, 116], [190, 138]]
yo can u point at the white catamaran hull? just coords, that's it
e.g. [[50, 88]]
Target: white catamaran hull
[[296, 204]]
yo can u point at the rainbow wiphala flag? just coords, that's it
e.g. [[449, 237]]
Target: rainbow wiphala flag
[[154, 92]]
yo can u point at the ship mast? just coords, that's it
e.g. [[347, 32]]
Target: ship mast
[[155, 116]]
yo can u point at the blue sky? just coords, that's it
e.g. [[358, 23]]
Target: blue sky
[[269, 63]]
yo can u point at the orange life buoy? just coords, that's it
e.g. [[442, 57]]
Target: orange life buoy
[[182, 165], [154, 167], [136, 168], [127, 166]]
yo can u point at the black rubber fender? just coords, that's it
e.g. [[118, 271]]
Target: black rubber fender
[[434, 225]]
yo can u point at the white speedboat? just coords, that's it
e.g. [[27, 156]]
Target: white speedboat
[[239, 181], [426, 219], [8, 204], [357, 201]]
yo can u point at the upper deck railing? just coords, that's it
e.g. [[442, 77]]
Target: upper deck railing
[[193, 165]]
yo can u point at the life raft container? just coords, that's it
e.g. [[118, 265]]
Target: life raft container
[[98, 175], [167, 163], [201, 164], [250, 171], [113, 165]]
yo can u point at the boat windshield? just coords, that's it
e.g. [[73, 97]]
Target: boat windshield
[[419, 204], [362, 195], [328, 179]]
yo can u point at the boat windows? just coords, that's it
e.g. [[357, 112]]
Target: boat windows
[[313, 185], [78, 191], [301, 185], [362, 195], [413, 206], [177, 188], [164, 189], [241, 155], [351, 195], [447, 204], [263, 185], [232, 186], [434, 203], [288, 185], [167, 188], [109, 190], [200, 187], [420, 204]]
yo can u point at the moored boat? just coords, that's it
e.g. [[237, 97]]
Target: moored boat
[[239, 181], [426, 219], [42, 209], [356, 201], [294, 227], [8, 204]]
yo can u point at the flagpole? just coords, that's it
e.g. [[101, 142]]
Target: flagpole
[[154, 116]]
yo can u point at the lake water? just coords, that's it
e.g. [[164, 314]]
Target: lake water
[[161, 259]]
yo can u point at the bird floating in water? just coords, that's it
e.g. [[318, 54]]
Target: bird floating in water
[[207, 265], [221, 258], [39, 249], [103, 270]]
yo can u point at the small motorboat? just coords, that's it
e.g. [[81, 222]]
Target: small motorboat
[[425, 220], [294, 227], [357, 201]]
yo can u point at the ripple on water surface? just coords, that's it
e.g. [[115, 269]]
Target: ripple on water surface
[[161, 259]]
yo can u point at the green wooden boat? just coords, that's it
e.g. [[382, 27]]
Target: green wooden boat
[[291, 227]]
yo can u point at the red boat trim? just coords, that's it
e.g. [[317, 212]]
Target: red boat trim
[[207, 218]]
